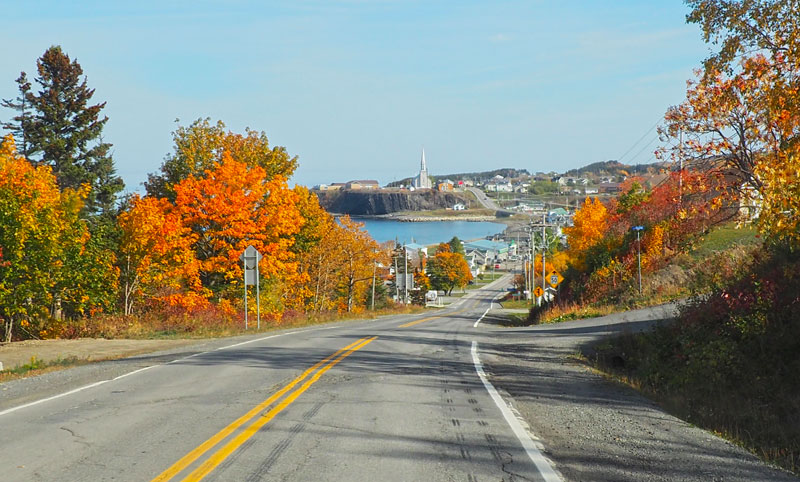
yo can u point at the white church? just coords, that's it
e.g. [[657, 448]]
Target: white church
[[422, 181]]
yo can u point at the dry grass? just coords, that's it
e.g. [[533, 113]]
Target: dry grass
[[210, 322], [575, 311]]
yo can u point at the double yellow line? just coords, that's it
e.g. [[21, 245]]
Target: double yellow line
[[226, 450]]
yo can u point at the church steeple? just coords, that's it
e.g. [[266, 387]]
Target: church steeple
[[422, 181]]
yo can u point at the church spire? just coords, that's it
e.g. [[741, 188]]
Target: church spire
[[422, 166]]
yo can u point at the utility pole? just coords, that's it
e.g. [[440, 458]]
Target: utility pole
[[544, 249], [680, 172], [374, 267], [405, 275], [244, 270], [531, 271], [525, 274], [638, 230], [396, 277]]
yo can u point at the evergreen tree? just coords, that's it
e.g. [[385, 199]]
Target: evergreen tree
[[20, 122], [65, 131], [457, 246]]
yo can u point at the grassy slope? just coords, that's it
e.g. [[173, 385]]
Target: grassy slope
[[731, 362]]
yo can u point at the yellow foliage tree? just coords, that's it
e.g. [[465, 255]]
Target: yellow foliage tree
[[590, 223], [47, 262]]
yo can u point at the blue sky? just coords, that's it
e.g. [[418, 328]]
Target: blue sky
[[357, 88]]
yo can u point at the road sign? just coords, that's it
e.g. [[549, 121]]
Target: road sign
[[250, 259], [554, 279], [538, 291]]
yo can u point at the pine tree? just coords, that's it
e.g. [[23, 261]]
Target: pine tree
[[65, 131], [20, 122]]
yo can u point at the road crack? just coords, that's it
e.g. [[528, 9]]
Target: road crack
[[76, 438]]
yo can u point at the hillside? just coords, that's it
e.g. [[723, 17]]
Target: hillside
[[614, 168], [507, 172]]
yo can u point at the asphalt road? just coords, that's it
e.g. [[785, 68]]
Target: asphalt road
[[484, 200], [398, 398]]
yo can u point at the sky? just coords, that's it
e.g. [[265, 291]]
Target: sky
[[357, 88]]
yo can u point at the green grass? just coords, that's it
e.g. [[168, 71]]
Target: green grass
[[37, 366], [724, 237], [516, 304], [487, 278]]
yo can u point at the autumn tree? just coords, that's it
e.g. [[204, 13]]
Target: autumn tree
[[202, 144], [359, 253], [316, 222], [156, 257], [448, 270], [319, 263], [743, 112], [589, 226], [231, 206], [64, 130], [50, 267]]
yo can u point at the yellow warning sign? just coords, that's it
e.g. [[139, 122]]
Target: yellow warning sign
[[538, 291], [554, 279]]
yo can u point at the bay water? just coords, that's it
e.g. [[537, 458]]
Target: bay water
[[428, 232]]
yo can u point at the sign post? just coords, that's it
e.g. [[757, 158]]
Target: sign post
[[638, 230], [250, 259]]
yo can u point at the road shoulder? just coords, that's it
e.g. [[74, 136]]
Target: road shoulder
[[596, 429]]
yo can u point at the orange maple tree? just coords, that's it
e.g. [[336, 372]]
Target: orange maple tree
[[232, 206], [157, 257]]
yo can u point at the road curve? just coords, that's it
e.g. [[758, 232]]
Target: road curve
[[421, 397], [484, 200]]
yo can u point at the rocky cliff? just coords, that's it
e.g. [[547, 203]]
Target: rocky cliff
[[370, 203]]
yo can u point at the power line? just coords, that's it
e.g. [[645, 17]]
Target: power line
[[640, 140], [643, 148]]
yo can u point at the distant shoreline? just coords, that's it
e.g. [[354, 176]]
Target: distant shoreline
[[410, 218]]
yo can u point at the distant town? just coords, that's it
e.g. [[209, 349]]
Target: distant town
[[518, 190]]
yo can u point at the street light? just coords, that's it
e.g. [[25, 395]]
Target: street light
[[638, 230]]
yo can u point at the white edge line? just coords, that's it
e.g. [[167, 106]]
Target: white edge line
[[484, 314], [101, 382], [76, 390], [491, 305], [546, 470], [248, 342]]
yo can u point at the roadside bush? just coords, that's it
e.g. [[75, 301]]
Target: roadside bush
[[731, 360]]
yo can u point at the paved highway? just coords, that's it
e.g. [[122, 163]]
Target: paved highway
[[394, 399], [487, 202], [398, 398]]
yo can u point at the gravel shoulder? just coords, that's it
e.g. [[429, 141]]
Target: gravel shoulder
[[19, 353], [595, 429]]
